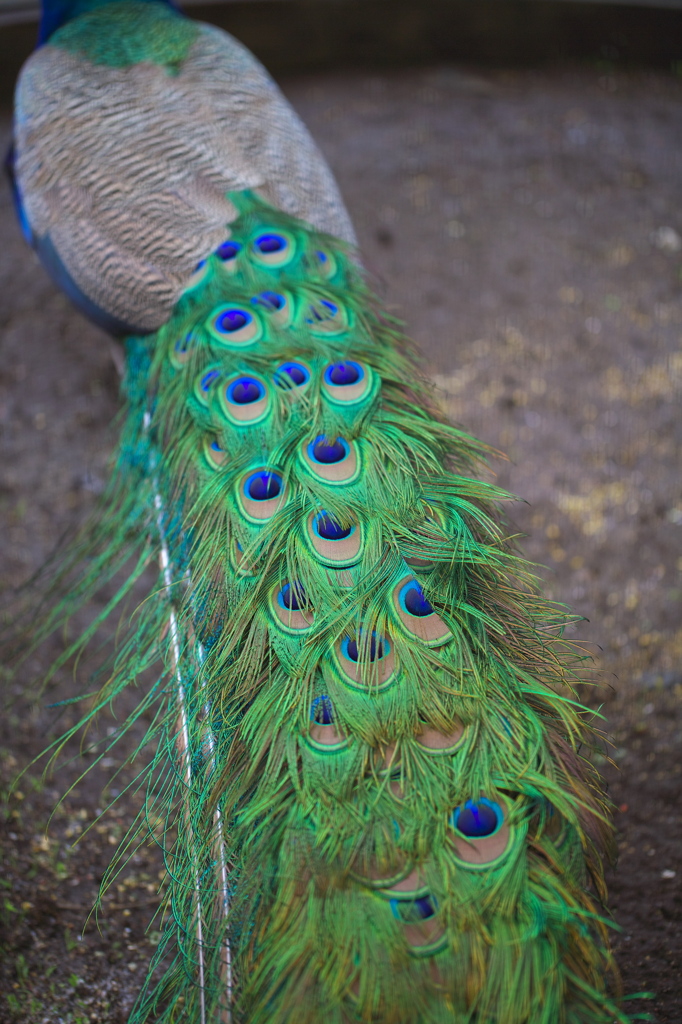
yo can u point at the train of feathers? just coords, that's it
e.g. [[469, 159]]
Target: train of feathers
[[361, 734]]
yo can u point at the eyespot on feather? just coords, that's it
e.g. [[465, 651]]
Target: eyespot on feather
[[239, 561], [346, 382], [368, 665], [417, 909], [323, 733], [290, 606], [416, 614], [228, 254], [326, 263], [424, 932], [261, 493], [273, 248], [356, 650], [182, 350], [480, 832], [336, 544], [245, 399], [292, 377], [478, 819], [214, 453], [322, 710], [205, 383], [333, 460], [326, 317], [234, 326], [277, 306]]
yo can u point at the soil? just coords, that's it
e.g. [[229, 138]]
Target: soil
[[527, 227]]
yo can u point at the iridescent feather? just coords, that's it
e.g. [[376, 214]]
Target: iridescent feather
[[367, 755]]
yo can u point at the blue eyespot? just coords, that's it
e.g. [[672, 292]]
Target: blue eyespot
[[478, 818], [228, 250], [182, 349], [326, 264], [245, 390], [322, 711], [293, 597], [341, 375], [289, 374], [322, 311], [271, 301], [183, 345], [273, 249], [414, 911], [328, 528], [377, 648], [233, 320], [328, 452], [208, 380], [234, 326], [413, 601], [270, 243], [263, 486], [214, 452]]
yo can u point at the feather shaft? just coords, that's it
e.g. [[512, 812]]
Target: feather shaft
[[185, 756]]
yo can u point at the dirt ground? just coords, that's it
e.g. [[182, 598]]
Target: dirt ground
[[527, 227]]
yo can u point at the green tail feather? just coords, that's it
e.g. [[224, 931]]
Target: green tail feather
[[367, 755]]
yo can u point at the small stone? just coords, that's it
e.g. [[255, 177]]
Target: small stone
[[667, 239], [620, 255], [668, 873], [456, 229], [570, 295]]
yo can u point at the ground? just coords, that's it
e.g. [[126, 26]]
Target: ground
[[526, 226]]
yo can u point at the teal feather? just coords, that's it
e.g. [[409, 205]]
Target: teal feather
[[330, 835], [366, 749]]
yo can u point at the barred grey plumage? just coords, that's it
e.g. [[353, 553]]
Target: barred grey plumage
[[137, 199]]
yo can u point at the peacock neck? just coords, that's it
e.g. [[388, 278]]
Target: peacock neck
[[56, 13]]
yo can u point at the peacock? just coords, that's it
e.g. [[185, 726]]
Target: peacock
[[365, 748]]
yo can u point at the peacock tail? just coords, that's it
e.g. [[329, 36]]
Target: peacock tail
[[366, 752]]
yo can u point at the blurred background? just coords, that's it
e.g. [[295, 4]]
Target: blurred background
[[513, 169]]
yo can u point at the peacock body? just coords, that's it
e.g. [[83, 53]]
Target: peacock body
[[375, 805]]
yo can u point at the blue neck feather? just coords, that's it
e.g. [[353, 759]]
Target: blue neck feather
[[56, 13]]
